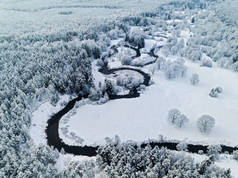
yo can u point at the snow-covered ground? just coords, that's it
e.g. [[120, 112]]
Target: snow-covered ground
[[145, 117], [46, 17], [39, 119], [37, 131]]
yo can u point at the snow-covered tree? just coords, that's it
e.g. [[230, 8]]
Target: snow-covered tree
[[218, 89], [182, 146], [126, 60], [214, 150], [110, 87], [125, 56], [95, 94], [173, 115], [100, 63], [175, 69], [91, 48], [176, 118], [193, 54], [115, 33], [136, 37], [161, 62], [194, 80], [129, 82], [128, 160], [54, 98], [235, 155], [206, 61], [235, 66], [215, 92], [79, 169], [205, 124]]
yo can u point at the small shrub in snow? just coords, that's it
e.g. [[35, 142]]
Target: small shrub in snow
[[214, 150], [235, 67], [207, 62], [176, 118], [182, 120], [215, 92], [194, 79], [126, 60], [173, 115], [54, 98], [218, 89], [110, 87], [117, 140], [175, 69], [141, 88], [200, 152], [100, 63], [182, 147], [205, 124], [161, 62], [235, 155], [94, 95], [103, 99], [136, 37]]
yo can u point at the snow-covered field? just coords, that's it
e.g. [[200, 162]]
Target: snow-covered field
[[45, 17], [146, 117]]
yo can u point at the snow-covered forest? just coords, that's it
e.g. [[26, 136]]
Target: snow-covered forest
[[99, 88]]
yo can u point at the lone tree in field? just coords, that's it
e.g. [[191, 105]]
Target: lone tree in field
[[206, 62], [205, 124], [194, 79], [215, 92], [175, 69], [176, 118]]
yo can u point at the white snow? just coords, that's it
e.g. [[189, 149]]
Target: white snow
[[39, 120], [145, 117], [23, 16]]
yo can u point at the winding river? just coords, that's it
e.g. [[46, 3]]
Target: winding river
[[52, 130]]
